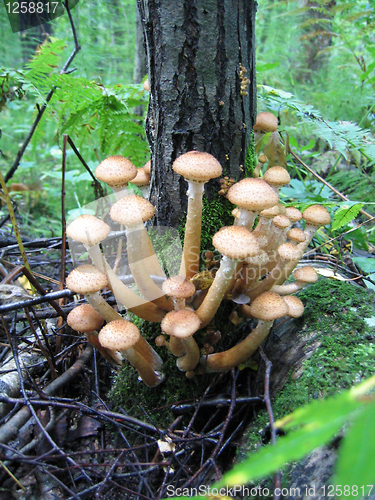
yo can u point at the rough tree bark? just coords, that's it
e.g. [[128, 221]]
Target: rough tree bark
[[194, 50]]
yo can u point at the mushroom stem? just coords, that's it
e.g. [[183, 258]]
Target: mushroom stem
[[191, 359], [216, 292], [149, 376], [111, 356], [223, 361], [192, 242], [288, 289]]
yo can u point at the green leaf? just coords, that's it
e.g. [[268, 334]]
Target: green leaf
[[355, 463], [346, 213], [367, 264]]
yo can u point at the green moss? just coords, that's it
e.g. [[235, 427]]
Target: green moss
[[334, 316], [251, 159]]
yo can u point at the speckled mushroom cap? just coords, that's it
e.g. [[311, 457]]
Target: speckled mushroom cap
[[119, 335], [266, 122], [259, 259], [307, 274], [147, 167], [293, 214], [182, 324], [88, 230], [178, 287], [86, 279], [261, 239], [142, 178], [295, 306], [84, 318], [252, 194], [281, 221], [296, 234], [288, 251], [316, 215], [235, 242], [197, 166], [116, 171], [277, 176], [131, 210], [268, 306]]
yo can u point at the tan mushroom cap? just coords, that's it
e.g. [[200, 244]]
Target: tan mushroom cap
[[119, 335], [295, 306], [261, 239], [296, 234], [146, 85], [252, 194], [268, 213], [266, 122], [147, 167], [178, 287], [131, 210], [197, 166], [259, 259], [116, 171], [142, 178], [293, 214], [288, 251], [88, 230], [84, 318], [262, 158], [307, 274], [268, 306], [182, 324], [316, 215], [86, 279], [235, 242], [277, 176], [281, 221]]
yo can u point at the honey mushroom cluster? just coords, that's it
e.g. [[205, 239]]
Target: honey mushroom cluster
[[255, 263]]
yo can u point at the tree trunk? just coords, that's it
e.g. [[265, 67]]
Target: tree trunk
[[194, 52]]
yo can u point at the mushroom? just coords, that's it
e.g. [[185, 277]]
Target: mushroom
[[89, 231], [266, 308], [88, 280], [251, 196], [286, 253], [303, 276], [235, 243], [265, 122], [87, 320], [123, 336], [296, 235], [116, 171], [183, 324], [279, 227], [197, 168], [277, 177], [142, 181], [132, 211], [293, 214], [295, 306]]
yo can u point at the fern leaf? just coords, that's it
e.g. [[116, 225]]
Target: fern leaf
[[345, 214]]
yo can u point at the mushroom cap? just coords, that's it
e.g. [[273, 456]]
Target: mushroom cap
[[295, 306], [88, 230], [281, 221], [316, 215], [235, 242], [182, 324], [116, 171], [142, 178], [277, 176], [296, 234], [262, 158], [269, 213], [306, 274], [197, 166], [261, 239], [84, 318], [119, 335], [288, 251], [268, 306], [259, 259], [131, 210], [178, 287], [266, 122], [147, 167], [146, 85], [293, 214], [252, 194], [86, 279]]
